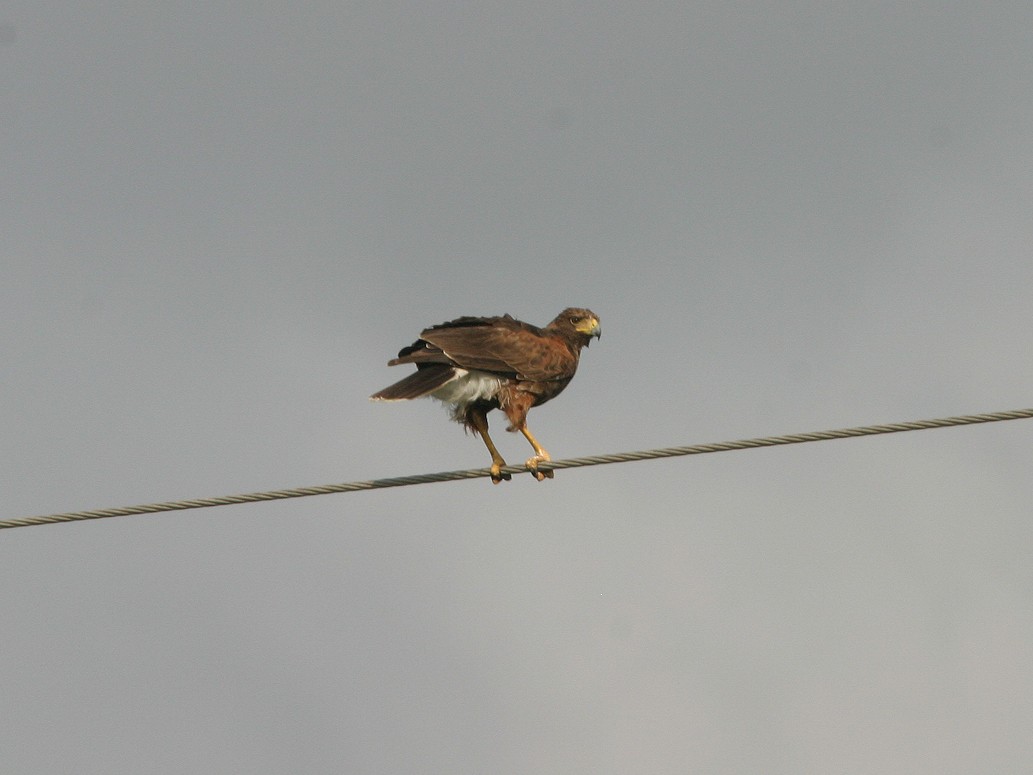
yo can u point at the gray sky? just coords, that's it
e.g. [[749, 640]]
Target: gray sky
[[220, 220]]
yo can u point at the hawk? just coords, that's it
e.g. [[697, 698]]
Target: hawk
[[476, 364]]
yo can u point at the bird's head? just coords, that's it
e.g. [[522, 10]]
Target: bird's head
[[581, 323]]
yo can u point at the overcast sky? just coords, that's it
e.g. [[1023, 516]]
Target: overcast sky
[[219, 221]]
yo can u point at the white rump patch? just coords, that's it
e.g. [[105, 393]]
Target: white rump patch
[[468, 386]]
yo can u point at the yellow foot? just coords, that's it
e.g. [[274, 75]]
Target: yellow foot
[[496, 473], [532, 466]]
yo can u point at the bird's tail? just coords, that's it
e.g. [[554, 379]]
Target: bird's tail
[[420, 383]]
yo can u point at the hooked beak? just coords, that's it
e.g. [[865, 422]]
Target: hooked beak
[[591, 327]]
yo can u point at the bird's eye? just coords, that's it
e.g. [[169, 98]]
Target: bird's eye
[[575, 321]]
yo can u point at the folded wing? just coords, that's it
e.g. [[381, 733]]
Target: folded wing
[[500, 345]]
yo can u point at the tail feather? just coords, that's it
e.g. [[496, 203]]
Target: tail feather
[[420, 383]]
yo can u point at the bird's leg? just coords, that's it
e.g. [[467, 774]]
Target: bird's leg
[[540, 456], [479, 420]]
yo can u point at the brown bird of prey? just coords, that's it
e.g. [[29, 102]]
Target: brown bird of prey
[[478, 364]]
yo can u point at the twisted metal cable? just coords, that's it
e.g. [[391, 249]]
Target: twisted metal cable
[[476, 473]]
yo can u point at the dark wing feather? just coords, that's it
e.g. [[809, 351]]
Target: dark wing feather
[[422, 382], [422, 354]]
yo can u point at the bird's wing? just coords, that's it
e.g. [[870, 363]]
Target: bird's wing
[[503, 346]]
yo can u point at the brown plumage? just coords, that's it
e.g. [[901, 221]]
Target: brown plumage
[[479, 364]]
